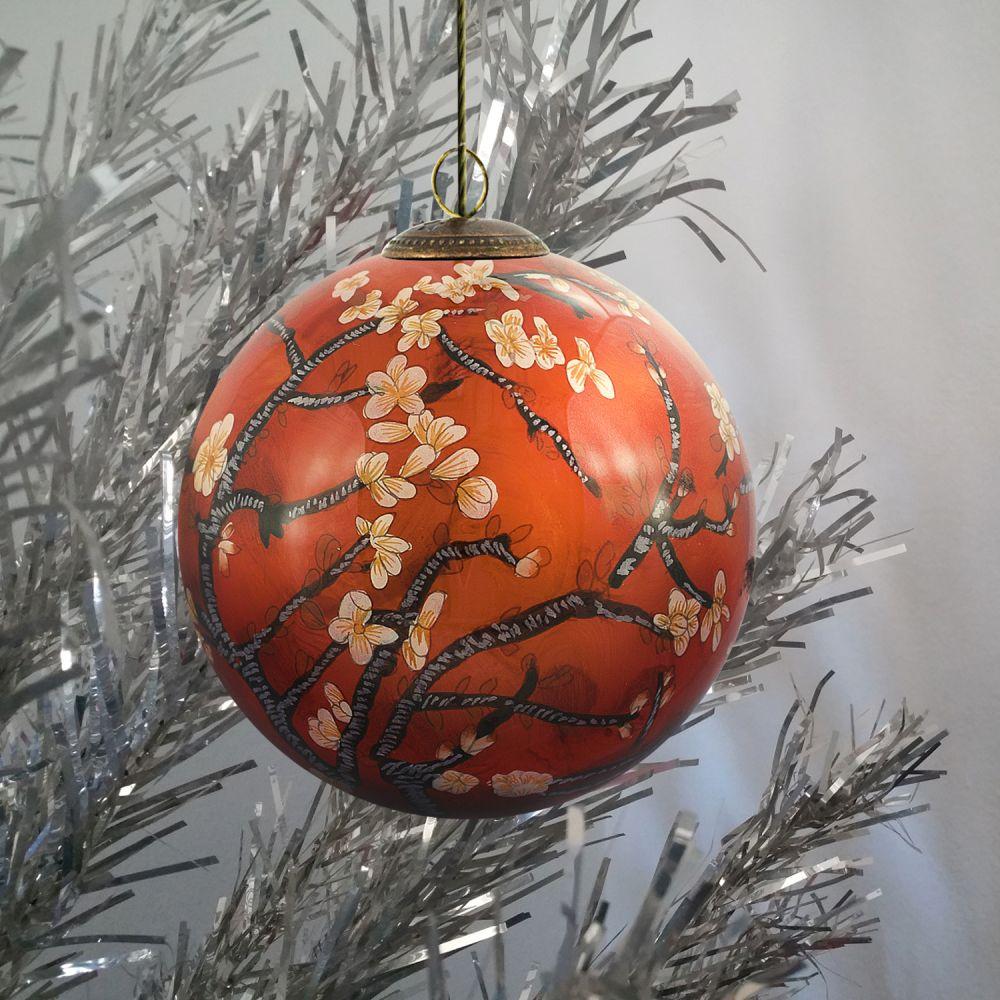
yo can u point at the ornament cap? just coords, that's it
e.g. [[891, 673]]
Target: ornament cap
[[464, 239]]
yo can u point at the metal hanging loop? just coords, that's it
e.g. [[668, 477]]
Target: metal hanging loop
[[462, 213]]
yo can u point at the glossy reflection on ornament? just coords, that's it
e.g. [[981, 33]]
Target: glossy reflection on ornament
[[467, 537]]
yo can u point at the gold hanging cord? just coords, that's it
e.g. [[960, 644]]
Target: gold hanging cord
[[463, 151]]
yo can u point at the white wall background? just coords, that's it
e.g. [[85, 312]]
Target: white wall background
[[862, 168]]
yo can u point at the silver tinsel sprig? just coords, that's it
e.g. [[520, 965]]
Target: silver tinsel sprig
[[116, 318], [780, 891], [811, 543], [299, 898], [358, 897]]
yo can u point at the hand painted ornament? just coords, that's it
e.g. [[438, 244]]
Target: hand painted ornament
[[461, 527], [466, 527]]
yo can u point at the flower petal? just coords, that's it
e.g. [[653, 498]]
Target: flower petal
[[473, 744], [411, 404], [370, 466], [379, 405], [391, 545], [381, 635], [477, 497], [382, 494], [361, 648], [504, 355], [706, 625], [411, 658], [418, 460], [332, 693], [420, 640], [397, 487], [411, 381], [355, 605], [395, 368], [340, 629], [523, 352], [431, 610], [391, 561], [379, 573], [603, 382], [409, 338], [381, 525], [223, 428], [576, 373], [456, 465], [443, 432], [494, 330]]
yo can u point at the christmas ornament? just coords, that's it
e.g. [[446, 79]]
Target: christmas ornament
[[465, 527]]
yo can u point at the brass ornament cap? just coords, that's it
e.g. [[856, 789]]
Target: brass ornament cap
[[465, 239]]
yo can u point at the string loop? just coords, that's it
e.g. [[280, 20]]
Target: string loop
[[461, 147]]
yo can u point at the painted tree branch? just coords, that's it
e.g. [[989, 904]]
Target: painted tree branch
[[286, 334], [679, 528], [535, 621], [412, 778], [295, 691], [385, 658], [265, 411], [495, 548], [445, 700], [680, 575], [536, 424], [666, 499], [253, 676], [326, 579], [322, 401], [522, 279]]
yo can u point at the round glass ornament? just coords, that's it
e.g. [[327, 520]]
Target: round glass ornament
[[467, 527]]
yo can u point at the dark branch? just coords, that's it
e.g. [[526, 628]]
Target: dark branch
[[288, 388], [276, 516], [273, 516], [384, 660], [663, 505], [665, 501], [536, 424], [287, 334], [545, 713], [297, 689], [497, 548], [680, 528], [541, 618], [680, 575], [321, 401], [307, 593], [520, 279], [253, 676]]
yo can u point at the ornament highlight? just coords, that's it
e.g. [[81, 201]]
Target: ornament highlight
[[467, 537]]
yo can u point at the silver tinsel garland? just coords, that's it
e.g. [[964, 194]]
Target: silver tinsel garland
[[103, 692]]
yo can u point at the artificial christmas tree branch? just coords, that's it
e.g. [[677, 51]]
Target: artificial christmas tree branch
[[117, 316]]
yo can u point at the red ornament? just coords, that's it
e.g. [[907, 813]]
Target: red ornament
[[466, 538]]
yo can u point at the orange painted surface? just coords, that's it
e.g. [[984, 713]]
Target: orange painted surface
[[467, 539]]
